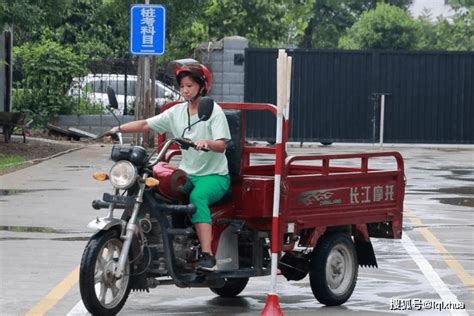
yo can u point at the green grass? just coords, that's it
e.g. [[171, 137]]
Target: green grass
[[7, 161]]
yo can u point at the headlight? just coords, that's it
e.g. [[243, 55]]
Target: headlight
[[123, 174]]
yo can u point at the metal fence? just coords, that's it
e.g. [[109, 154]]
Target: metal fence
[[335, 95], [120, 75]]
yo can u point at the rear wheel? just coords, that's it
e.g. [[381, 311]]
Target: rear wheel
[[333, 269], [101, 291], [232, 287]]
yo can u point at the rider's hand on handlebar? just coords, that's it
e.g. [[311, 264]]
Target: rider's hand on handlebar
[[111, 134], [202, 145], [112, 131]]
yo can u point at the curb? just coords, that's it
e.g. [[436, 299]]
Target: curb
[[38, 160]]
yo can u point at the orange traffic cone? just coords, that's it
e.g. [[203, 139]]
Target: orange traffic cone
[[272, 307]]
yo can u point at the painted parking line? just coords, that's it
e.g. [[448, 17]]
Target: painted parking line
[[78, 310], [55, 295], [462, 274], [433, 278]]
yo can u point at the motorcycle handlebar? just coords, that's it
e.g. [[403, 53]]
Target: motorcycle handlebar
[[178, 209], [99, 204], [183, 143], [186, 143]]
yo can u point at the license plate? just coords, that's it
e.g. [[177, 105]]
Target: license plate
[[119, 199]]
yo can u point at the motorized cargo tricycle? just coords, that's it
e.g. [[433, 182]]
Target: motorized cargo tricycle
[[328, 213]]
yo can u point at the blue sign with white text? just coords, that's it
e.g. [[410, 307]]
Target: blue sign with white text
[[147, 29]]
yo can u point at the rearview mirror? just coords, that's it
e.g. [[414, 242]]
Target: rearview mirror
[[112, 99], [205, 108]]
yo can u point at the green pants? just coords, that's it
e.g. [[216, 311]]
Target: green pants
[[206, 190]]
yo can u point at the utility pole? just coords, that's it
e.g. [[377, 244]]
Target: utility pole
[[143, 95], [147, 35]]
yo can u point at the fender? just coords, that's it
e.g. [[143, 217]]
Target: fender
[[105, 223]]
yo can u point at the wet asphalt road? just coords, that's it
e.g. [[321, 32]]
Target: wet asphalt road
[[45, 209]]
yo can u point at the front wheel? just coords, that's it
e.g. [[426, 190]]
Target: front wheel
[[231, 288], [333, 269], [101, 291]]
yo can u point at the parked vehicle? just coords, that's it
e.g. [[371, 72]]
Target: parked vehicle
[[328, 215], [93, 87]]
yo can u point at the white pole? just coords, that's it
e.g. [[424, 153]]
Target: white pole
[[272, 306], [288, 87], [382, 115], [281, 102], [281, 81]]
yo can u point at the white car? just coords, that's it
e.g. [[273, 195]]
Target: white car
[[94, 88]]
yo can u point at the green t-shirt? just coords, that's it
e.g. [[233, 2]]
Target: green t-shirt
[[195, 162]]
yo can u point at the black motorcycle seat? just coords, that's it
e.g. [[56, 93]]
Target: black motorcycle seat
[[234, 146]]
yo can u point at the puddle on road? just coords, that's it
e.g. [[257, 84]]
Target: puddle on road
[[462, 172], [46, 180], [464, 190], [407, 227], [51, 239], [459, 179], [468, 190], [30, 229], [4, 192], [36, 229], [466, 200], [43, 230], [80, 167], [457, 201], [453, 150], [77, 168]]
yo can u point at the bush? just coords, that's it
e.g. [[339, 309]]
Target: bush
[[46, 71], [386, 27], [84, 106], [456, 33]]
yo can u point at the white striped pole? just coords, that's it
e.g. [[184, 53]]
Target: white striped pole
[[272, 306]]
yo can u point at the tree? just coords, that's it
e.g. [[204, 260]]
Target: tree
[[331, 18], [259, 21], [386, 27], [461, 3], [456, 33], [29, 16], [99, 28], [263, 23], [48, 68]]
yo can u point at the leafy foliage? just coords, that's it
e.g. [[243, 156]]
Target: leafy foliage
[[386, 27], [461, 3], [457, 34], [264, 23], [257, 20], [331, 18], [48, 68], [18, 12]]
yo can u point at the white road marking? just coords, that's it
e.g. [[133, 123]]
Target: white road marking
[[433, 278], [78, 309]]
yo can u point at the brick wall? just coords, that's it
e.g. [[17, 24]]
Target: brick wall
[[225, 58]]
